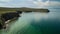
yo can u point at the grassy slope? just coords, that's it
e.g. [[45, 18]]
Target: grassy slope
[[4, 9]]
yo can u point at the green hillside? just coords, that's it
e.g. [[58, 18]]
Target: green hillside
[[24, 9]]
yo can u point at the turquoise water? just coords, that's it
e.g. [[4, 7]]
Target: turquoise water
[[36, 23]]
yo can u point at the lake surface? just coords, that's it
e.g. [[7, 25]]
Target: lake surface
[[36, 23]]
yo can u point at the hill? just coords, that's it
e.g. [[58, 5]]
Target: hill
[[23, 9]]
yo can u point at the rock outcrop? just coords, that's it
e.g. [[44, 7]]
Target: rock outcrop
[[8, 16]]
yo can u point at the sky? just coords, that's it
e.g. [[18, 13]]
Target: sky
[[30, 3]]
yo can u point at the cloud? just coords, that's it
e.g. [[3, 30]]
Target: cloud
[[5, 0], [54, 0], [47, 3], [54, 3], [18, 3], [29, 3]]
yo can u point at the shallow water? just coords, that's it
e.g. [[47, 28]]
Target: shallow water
[[36, 23]]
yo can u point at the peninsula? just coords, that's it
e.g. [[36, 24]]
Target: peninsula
[[23, 9]]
